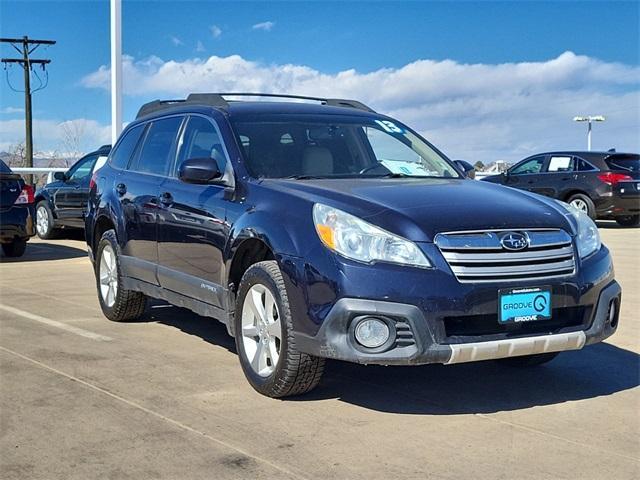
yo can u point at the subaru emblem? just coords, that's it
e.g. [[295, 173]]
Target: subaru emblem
[[514, 241]]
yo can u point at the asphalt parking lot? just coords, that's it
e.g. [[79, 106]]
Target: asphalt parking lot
[[164, 398]]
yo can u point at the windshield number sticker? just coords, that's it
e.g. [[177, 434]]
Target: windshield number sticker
[[389, 126]]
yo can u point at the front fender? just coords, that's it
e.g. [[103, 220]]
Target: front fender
[[46, 196]]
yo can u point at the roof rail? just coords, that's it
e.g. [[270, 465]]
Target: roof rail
[[218, 100]]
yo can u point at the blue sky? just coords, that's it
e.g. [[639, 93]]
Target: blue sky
[[321, 39]]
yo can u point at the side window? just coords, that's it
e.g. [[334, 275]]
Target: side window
[[156, 153], [201, 140], [122, 153], [560, 164], [82, 169], [583, 166], [533, 165]]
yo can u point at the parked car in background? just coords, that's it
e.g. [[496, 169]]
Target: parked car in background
[[328, 230], [17, 212], [61, 203], [604, 185]]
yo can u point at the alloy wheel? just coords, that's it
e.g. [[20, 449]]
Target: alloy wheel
[[42, 221], [580, 205], [261, 330], [108, 276]]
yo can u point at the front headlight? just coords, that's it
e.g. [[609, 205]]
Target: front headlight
[[358, 240], [587, 237]]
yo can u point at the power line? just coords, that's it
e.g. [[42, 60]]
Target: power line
[[26, 46]]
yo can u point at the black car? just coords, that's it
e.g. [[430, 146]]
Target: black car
[[61, 203], [17, 212], [604, 185], [328, 230]]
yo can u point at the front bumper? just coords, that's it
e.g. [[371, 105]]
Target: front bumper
[[422, 346]]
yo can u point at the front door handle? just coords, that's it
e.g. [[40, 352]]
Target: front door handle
[[121, 189], [166, 199]]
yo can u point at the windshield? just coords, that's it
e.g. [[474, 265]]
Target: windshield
[[281, 146]]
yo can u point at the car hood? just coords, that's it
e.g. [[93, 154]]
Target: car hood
[[419, 209]]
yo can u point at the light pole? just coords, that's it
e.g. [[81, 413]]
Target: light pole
[[116, 69], [589, 119]]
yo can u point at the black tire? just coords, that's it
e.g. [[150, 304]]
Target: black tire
[[628, 220], [295, 373], [590, 207], [51, 231], [528, 360], [16, 248], [128, 305]]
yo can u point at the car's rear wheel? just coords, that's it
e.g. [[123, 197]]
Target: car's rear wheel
[[264, 336], [628, 220], [528, 360], [584, 203], [45, 222], [15, 248], [117, 303]]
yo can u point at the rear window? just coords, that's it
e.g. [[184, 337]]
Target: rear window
[[630, 163], [4, 168]]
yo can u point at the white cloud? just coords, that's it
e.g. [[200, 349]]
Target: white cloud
[[176, 41], [50, 134], [472, 111], [10, 110], [266, 26], [215, 30], [200, 46]]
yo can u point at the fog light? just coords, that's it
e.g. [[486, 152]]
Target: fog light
[[372, 332]]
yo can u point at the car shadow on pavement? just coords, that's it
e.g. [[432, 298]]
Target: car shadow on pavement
[[483, 387], [41, 251], [612, 225], [208, 329]]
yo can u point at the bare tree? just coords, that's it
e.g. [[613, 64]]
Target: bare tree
[[72, 140], [18, 155]]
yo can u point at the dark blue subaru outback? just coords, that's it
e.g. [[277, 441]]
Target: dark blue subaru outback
[[318, 228]]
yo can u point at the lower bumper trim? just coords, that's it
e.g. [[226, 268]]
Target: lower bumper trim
[[472, 352]]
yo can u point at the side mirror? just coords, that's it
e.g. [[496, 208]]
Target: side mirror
[[59, 176], [200, 171], [466, 167]]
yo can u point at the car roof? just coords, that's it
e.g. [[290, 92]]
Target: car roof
[[584, 153]]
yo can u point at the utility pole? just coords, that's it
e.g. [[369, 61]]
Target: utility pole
[[589, 119], [26, 47]]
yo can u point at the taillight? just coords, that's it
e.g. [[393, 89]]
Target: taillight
[[612, 179], [93, 181], [26, 196]]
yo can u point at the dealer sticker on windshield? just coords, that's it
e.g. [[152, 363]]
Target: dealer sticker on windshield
[[525, 304]]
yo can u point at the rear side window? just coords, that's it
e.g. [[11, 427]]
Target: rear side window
[[123, 152], [201, 140], [158, 147], [560, 164], [583, 165], [629, 163]]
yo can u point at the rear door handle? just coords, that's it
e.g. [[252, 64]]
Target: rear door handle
[[121, 188], [166, 199]]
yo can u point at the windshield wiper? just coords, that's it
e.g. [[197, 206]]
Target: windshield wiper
[[301, 177]]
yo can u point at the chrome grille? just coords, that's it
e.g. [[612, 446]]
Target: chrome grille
[[480, 257]]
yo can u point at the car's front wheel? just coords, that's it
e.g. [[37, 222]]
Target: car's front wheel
[[44, 221], [264, 336], [117, 303], [628, 220], [15, 248]]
